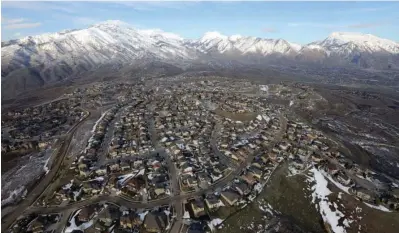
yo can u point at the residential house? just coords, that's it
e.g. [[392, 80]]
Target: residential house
[[114, 168], [159, 191], [155, 221], [249, 178], [86, 214], [124, 166], [242, 188], [255, 172], [189, 181], [105, 217], [343, 178], [212, 202], [198, 207], [36, 226], [101, 171], [363, 194], [230, 197], [125, 222]]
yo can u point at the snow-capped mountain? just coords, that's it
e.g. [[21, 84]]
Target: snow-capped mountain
[[111, 41], [348, 48], [37, 60], [214, 42], [339, 41]]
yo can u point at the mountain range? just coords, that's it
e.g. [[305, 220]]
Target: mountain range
[[35, 61]]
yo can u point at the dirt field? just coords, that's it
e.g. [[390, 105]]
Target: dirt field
[[287, 196], [371, 220], [248, 116]]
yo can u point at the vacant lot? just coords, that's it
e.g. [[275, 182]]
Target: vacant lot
[[247, 116], [286, 195]]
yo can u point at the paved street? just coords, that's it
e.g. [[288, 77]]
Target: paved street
[[176, 199], [42, 185]]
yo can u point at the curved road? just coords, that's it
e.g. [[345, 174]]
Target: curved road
[[120, 200], [42, 185]]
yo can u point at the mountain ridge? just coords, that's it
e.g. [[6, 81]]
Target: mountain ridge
[[53, 57]]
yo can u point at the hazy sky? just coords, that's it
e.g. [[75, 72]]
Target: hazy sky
[[300, 22]]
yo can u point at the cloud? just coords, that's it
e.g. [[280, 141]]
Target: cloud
[[22, 25], [17, 23], [85, 21], [339, 26], [316, 25], [154, 5], [41, 6], [367, 25], [11, 21], [17, 35], [361, 10], [269, 30]]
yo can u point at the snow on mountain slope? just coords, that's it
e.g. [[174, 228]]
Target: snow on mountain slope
[[216, 42], [117, 42], [348, 42], [38, 60], [368, 42], [354, 49], [111, 41]]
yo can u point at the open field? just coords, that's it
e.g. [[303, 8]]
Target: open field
[[246, 116], [288, 197]]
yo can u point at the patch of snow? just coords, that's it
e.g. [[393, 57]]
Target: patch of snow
[[167, 212], [380, 207], [320, 194], [76, 194], [267, 118], [266, 208], [167, 192], [264, 88], [214, 223], [346, 223], [258, 187], [186, 215], [140, 173], [142, 215], [99, 179], [28, 170], [339, 185], [45, 167], [74, 227], [13, 195], [68, 186], [98, 121], [122, 179]]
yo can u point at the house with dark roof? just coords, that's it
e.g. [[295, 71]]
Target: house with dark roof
[[230, 197], [86, 214], [242, 188], [155, 221], [212, 202], [198, 207]]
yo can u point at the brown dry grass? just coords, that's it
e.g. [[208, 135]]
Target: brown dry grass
[[247, 116]]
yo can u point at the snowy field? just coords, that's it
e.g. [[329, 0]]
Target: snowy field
[[80, 138], [333, 212], [15, 181]]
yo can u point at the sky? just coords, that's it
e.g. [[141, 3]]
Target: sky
[[299, 22]]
